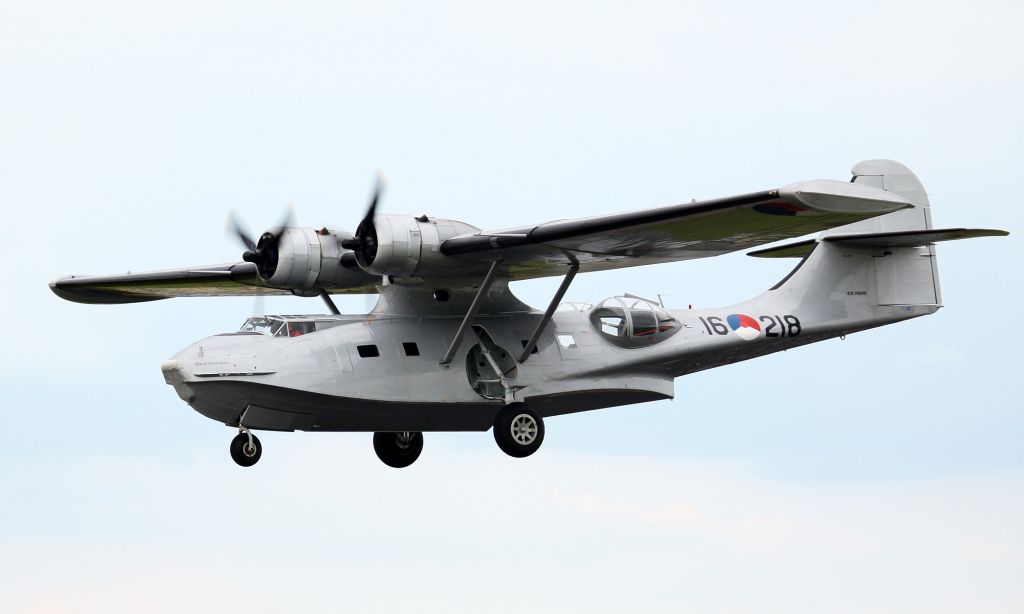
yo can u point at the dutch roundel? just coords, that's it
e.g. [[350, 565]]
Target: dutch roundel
[[745, 326]]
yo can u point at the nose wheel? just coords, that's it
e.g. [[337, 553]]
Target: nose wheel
[[246, 449], [518, 430], [398, 449]]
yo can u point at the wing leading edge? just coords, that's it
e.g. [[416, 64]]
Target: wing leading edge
[[677, 232], [239, 279]]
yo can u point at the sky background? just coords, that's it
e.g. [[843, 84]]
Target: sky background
[[882, 473]]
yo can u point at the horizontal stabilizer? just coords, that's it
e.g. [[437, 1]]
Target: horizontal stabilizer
[[905, 238], [789, 250], [914, 238]]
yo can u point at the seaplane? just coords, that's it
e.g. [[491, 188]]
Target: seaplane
[[449, 347]]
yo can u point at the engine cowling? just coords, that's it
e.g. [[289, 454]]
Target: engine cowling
[[305, 259], [406, 246]]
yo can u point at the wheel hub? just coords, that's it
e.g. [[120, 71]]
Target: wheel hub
[[403, 439], [524, 429]]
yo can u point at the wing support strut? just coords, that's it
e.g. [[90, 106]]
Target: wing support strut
[[474, 307], [329, 302], [549, 312]]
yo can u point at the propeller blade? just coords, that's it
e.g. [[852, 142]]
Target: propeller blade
[[236, 228], [378, 190], [364, 243], [287, 220]]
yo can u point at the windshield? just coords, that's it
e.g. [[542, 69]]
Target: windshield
[[264, 325], [278, 326], [257, 324]]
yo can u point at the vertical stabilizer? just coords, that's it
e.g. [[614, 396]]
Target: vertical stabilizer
[[870, 273], [902, 275]]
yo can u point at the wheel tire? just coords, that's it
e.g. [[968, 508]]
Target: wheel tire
[[241, 452], [393, 452], [518, 431]]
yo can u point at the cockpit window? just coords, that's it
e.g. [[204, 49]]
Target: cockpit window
[[259, 324], [632, 322], [277, 326], [297, 329]]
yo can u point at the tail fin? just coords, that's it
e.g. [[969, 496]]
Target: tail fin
[[892, 273], [903, 275], [881, 263]]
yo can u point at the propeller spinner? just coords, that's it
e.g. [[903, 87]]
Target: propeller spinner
[[264, 253], [364, 243]]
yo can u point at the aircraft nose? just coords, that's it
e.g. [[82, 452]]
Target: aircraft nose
[[176, 377], [172, 371]]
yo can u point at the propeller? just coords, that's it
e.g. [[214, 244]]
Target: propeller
[[264, 252], [364, 243]]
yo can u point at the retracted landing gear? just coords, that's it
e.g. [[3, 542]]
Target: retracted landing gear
[[398, 449], [518, 430], [246, 449]]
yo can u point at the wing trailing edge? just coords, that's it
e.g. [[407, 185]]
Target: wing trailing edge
[[914, 238]]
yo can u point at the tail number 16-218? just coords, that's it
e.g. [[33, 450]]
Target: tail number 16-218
[[773, 326]]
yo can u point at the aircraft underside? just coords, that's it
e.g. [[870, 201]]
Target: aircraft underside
[[281, 409]]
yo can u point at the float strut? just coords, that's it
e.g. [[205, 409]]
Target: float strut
[[244, 429], [329, 302]]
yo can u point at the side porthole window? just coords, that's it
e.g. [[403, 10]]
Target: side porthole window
[[411, 349], [566, 341], [441, 295], [367, 351], [525, 341]]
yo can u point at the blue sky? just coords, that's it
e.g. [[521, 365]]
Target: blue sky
[[881, 473]]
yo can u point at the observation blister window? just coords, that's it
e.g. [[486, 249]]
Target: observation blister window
[[633, 322]]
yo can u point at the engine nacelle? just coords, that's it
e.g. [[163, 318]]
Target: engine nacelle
[[407, 245], [306, 259]]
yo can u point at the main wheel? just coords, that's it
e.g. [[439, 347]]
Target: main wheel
[[244, 453], [518, 431], [398, 449]]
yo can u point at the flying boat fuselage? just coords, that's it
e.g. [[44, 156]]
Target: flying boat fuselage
[[383, 373]]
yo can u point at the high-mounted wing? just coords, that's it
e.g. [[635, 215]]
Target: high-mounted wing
[[239, 279], [677, 232], [307, 261]]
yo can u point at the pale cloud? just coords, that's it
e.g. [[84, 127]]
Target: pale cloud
[[320, 525], [934, 354]]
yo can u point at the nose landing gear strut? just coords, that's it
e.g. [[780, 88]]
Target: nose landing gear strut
[[245, 448]]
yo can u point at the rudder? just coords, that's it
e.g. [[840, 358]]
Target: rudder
[[902, 275]]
